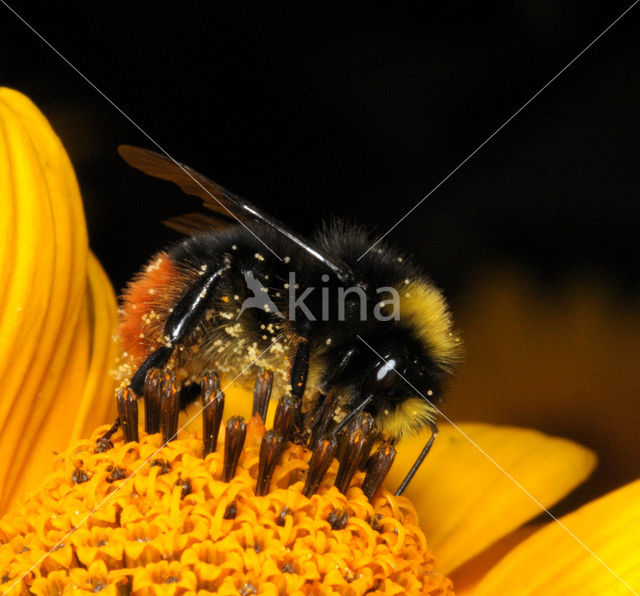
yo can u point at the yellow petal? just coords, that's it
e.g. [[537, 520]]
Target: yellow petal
[[466, 503], [47, 314], [97, 404], [466, 577], [553, 562]]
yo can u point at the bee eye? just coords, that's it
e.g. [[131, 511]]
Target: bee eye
[[382, 377]]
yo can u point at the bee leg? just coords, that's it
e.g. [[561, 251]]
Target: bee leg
[[189, 392], [317, 420], [300, 369], [419, 460], [157, 359], [361, 406], [183, 318]]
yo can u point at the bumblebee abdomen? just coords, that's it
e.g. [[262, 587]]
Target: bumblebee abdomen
[[146, 304], [219, 338]]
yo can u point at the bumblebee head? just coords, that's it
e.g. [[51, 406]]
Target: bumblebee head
[[400, 362]]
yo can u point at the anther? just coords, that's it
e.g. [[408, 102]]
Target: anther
[[347, 419], [163, 464], [338, 519], [212, 408], [151, 393], [262, 393], [365, 423], [103, 444], [169, 408], [128, 413], [117, 473], [280, 520], [319, 463], [321, 419], [185, 485], [378, 468], [366, 453], [247, 589], [375, 523], [79, 476], [354, 451], [285, 418], [271, 448], [231, 511], [233, 443]]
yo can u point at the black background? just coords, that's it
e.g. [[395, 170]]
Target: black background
[[360, 113]]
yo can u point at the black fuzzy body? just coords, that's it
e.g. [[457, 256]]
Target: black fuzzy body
[[224, 341]]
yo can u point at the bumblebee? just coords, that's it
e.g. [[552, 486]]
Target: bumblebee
[[339, 333]]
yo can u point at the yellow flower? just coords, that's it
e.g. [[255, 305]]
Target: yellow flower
[[57, 309], [177, 526], [149, 519]]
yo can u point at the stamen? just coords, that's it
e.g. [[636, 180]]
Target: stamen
[[378, 468], [262, 393], [311, 417], [371, 439], [322, 419], [353, 452], [271, 449], [338, 519], [361, 406], [280, 520], [319, 463], [322, 401], [185, 485], [103, 444], [366, 423], [163, 464], [127, 401], [151, 393], [170, 408], [375, 523], [231, 511], [286, 416], [233, 443], [212, 408], [116, 473], [79, 476], [247, 589]]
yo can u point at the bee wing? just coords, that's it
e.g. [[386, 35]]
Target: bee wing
[[218, 199], [192, 223]]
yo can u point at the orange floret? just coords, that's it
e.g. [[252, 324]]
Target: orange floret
[[143, 518]]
